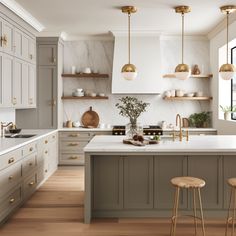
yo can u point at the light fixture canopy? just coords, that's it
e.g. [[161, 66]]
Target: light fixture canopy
[[227, 71], [129, 71], [182, 71]]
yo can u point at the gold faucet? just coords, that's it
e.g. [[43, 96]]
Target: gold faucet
[[3, 126], [180, 135]]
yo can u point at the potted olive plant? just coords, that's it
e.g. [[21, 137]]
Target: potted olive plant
[[227, 111], [132, 108]]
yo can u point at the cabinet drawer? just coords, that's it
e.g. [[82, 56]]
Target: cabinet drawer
[[75, 135], [10, 158], [11, 201], [72, 157], [30, 184], [28, 164], [28, 149], [73, 145], [9, 178]]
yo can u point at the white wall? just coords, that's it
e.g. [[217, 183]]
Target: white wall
[[99, 56], [7, 114], [220, 89]]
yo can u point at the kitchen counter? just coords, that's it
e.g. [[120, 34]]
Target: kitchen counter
[[128, 181], [10, 144]]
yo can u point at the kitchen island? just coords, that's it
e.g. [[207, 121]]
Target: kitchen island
[[128, 181]]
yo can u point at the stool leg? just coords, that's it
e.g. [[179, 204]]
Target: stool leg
[[175, 212], [234, 206], [195, 210], [228, 218], [201, 212]]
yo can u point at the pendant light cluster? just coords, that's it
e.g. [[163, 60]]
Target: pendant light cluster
[[227, 71], [129, 71], [182, 71]]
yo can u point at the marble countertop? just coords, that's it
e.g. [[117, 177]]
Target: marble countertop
[[10, 144], [209, 143]]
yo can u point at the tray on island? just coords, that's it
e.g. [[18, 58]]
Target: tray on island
[[138, 143]]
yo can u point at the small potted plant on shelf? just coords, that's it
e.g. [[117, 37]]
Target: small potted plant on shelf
[[132, 108], [227, 111], [200, 120]]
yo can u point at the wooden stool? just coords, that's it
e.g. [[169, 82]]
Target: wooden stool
[[193, 184], [232, 184]]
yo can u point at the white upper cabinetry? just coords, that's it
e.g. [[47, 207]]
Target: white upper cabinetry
[[145, 55], [17, 62]]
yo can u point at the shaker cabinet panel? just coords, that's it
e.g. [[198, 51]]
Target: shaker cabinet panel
[[1, 80], [32, 85], [7, 37], [32, 50], [18, 42], [25, 85], [138, 182], [47, 55], [25, 47]]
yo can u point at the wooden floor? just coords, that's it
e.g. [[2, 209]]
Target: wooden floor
[[56, 209]]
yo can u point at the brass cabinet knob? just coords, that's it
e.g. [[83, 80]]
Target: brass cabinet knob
[[73, 135], [31, 149], [46, 141], [11, 160], [12, 200], [14, 101], [31, 56], [10, 177], [30, 164], [46, 152], [73, 157], [73, 144], [31, 183]]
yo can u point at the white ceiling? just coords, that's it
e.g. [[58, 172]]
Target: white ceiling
[[97, 17]]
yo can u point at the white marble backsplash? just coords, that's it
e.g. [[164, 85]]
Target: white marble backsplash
[[98, 55]]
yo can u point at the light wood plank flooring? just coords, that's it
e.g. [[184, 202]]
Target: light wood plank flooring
[[56, 209]]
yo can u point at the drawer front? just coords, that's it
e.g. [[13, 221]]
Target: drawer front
[[73, 145], [29, 164], [10, 202], [28, 149], [72, 157], [75, 135], [10, 158], [9, 178], [92, 134], [30, 185]]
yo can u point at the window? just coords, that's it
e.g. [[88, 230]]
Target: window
[[233, 83]]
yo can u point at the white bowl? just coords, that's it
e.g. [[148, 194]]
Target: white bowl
[[189, 95]]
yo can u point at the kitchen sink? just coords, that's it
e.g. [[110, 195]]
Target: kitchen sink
[[20, 136]]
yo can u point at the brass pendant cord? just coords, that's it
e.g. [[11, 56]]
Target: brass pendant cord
[[129, 15], [182, 38], [227, 29]]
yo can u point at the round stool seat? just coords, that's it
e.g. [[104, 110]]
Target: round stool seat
[[188, 182], [232, 182]]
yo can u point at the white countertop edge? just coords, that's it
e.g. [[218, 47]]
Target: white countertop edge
[[26, 141]]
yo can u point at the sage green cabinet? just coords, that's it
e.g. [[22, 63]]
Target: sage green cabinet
[[209, 168], [108, 182], [138, 182], [166, 168]]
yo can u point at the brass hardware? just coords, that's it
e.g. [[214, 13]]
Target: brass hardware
[[31, 149], [129, 68], [31, 183], [11, 160], [31, 56], [30, 101], [12, 200], [14, 101], [46, 171], [182, 67], [30, 164], [179, 122], [46, 141], [73, 157], [53, 136], [73, 144], [4, 40], [10, 177], [54, 60], [73, 135], [46, 152]]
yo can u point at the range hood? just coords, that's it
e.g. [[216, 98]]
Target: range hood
[[145, 55]]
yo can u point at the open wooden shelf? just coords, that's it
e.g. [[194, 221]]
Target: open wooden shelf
[[188, 98], [82, 98], [83, 75], [191, 76]]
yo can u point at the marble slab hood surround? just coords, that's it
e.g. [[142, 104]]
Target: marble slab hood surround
[[145, 55]]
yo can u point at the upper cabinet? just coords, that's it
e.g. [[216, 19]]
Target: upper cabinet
[[7, 37]]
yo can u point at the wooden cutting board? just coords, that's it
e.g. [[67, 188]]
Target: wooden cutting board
[[138, 143], [90, 118]]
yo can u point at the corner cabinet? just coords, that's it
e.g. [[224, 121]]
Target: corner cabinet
[[17, 62]]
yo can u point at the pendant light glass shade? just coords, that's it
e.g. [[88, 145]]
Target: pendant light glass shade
[[129, 71], [182, 71], [227, 71]]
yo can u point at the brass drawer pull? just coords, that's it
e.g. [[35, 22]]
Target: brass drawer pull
[[11, 160], [31, 183], [73, 135], [10, 177], [73, 144], [46, 171], [46, 141], [31, 149], [30, 164], [12, 200], [73, 157]]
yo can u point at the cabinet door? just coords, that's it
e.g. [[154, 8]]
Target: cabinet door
[[47, 91], [7, 37], [1, 80], [209, 168], [138, 182], [32, 50], [25, 47], [25, 85], [18, 42], [47, 55], [229, 172], [107, 182], [7, 69], [32, 86], [166, 168]]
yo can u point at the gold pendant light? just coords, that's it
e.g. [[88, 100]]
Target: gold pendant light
[[227, 71], [182, 71], [129, 71]]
